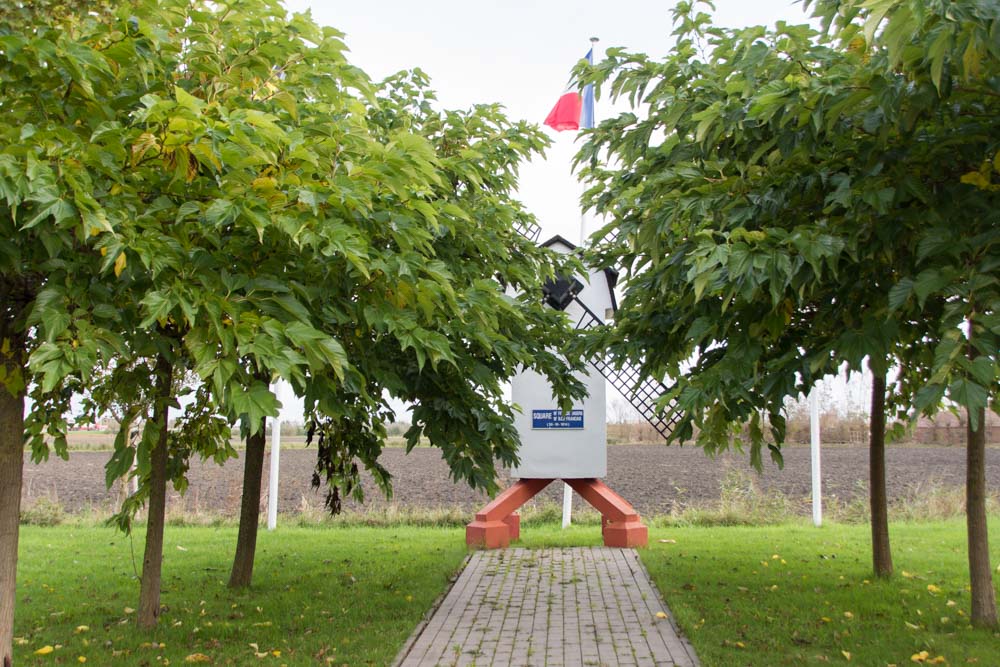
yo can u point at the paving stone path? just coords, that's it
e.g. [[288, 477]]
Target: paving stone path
[[545, 607]]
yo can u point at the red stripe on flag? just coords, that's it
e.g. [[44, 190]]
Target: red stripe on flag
[[565, 115]]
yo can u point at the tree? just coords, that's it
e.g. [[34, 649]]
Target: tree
[[262, 224], [49, 223], [793, 217]]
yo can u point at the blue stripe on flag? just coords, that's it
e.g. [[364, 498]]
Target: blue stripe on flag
[[587, 112]]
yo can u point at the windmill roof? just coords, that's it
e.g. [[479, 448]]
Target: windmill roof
[[611, 275]]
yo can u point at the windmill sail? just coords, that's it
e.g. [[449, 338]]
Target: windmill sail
[[640, 391]]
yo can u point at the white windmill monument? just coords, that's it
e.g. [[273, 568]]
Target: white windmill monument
[[571, 446]]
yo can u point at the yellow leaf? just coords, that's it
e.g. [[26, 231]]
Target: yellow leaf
[[938, 660], [911, 626], [81, 628], [847, 655], [142, 145], [977, 179], [931, 588], [826, 619], [740, 645], [919, 657], [81, 659], [119, 267], [848, 615], [660, 614], [197, 657], [950, 603], [276, 653], [907, 575], [129, 610], [45, 650]]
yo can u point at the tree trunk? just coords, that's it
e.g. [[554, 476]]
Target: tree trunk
[[152, 560], [984, 603], [246, 541], [11, 469], [881, 551]]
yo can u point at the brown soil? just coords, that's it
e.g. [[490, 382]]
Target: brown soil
[[654, 478]]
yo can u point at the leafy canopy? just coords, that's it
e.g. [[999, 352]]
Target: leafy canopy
[[786, 201]]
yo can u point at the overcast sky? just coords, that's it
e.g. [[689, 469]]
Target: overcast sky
[[519, 54]]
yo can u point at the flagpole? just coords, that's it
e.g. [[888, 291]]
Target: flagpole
[[583, 214], [567, 513]]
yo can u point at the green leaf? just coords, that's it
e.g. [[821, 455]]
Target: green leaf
[[256, 402], [970, 395], [900, 293]]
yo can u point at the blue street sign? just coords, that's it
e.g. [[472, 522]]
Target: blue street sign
[[557, 419]]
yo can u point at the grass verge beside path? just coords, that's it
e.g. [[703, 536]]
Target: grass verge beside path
[[797, 595], [320, 596]]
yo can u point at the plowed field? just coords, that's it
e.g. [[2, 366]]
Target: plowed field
[[653, 478]]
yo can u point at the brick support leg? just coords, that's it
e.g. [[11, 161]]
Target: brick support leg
[[496, 524], [620, 523]]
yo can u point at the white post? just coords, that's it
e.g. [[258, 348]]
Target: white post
[[817, 491], [272, 488], [567, 505]]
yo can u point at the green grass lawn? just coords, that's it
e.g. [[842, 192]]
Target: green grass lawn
[[797, 595], [320, 596], [777, 595]]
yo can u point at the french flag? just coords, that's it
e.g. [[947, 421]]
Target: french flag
[[574, 111]]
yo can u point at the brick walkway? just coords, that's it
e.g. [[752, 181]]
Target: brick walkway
[[521, 607]]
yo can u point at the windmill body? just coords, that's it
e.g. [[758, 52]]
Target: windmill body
[[568, 446], [555, 445]]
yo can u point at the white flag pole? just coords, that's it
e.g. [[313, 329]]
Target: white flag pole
[[272, 488], [567, 511], [817, 491], [583, 215]]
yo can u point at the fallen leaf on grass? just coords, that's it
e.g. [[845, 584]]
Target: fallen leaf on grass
[[920, 657], [931, 588], [667, 541], [180, 548], [848, 615], [45, 650], [197, 657], [847, 655], [81, 628], [129, 610], [81, 659]]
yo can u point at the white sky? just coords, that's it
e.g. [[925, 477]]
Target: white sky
[[519, 54]]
